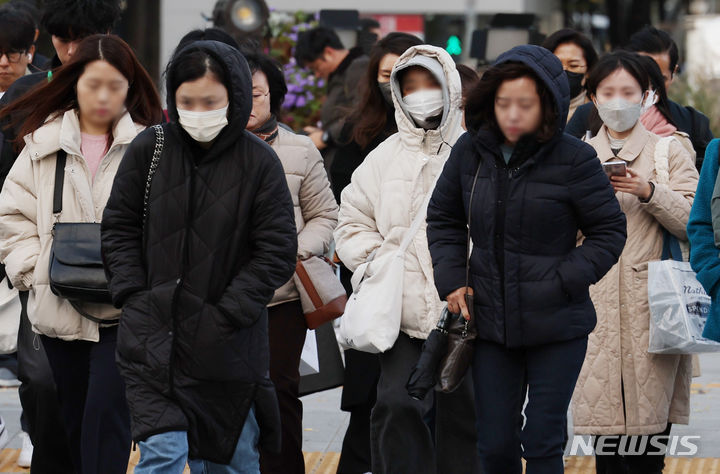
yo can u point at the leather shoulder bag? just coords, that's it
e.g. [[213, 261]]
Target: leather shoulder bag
[[76, 270]]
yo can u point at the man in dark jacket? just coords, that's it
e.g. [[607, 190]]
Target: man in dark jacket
[[68, 21], [321, 51], [660, 46], [195, 276], [530, 280]]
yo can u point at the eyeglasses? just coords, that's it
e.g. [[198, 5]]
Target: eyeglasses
[[259, 98], [13, 56]]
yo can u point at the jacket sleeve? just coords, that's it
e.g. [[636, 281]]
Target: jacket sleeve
[[318, 207], [122, 226], [351, 91], [357, 235], [579, 122], [600, 220], [703, 254], [701, 135], [273, 240], [670, 203], [19, 239], [447, 223]]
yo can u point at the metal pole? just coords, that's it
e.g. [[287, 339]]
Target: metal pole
[[469, 28]]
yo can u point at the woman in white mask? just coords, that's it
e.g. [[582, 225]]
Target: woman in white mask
[[622, 389], [386, 193], [196, 240]]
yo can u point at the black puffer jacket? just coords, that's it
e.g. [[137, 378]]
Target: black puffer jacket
[[220, 237], [529, 278]]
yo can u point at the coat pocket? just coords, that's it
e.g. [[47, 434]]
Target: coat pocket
[[131, 344], [220, 350]]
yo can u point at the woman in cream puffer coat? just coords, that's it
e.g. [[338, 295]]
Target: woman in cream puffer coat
[[386, 192]]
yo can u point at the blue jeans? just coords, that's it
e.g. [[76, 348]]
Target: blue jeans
[[167, 453]]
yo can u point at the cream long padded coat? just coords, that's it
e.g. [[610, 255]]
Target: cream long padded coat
[[388, 189], [655, 387], [315, 207], [26, 217]]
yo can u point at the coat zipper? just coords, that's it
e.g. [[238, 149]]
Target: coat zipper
[[181, 279]]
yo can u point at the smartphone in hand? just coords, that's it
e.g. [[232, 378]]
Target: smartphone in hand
[[615, 168]]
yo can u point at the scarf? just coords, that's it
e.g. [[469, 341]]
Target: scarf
[[268, 131], [656, 122]]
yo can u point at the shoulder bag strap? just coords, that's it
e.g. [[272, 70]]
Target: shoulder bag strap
[[469, 221], [419, 218], [60, 161], [157, 153]]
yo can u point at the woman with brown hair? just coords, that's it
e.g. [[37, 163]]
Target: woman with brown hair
[[87, 115], [521, 189]]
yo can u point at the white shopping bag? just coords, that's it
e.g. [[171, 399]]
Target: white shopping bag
[[679, 307], [10, 308], [309, 362]]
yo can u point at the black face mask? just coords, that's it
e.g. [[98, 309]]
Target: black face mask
[[386, 93], [575, 80]]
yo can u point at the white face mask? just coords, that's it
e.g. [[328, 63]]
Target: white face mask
[[425, 107], [203, 126], [619, 114], [651, 100]]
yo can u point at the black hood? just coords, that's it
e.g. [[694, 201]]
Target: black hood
[[239, 89]]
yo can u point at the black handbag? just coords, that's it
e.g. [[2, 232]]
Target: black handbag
[[76, 270], [448, 351]]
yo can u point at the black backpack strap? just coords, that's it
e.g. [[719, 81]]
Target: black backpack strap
[[59, 181]]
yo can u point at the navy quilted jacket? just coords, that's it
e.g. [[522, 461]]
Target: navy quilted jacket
[[530, 279], [219, 239]]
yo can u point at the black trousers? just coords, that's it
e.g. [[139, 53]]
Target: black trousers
[[400, 437], [287, 330], [41, 417], [501, 377], [640, 463], [92, 402], [362, 371]]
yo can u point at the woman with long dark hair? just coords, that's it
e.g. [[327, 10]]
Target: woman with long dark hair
[[370, 123], [521, 190], [89, 113], [373, 119]]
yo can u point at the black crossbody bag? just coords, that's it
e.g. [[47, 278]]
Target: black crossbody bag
[[76, 271]]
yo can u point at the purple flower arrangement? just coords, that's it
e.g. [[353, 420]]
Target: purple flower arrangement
[[305, 93]]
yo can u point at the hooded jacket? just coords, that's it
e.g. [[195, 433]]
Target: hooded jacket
[[388, 189], [195, 278], [529, 278], [26, 218]]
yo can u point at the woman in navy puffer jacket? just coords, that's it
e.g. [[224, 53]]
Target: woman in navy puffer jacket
[[535, 188]]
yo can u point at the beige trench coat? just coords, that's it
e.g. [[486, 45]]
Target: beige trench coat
[[623, 389]]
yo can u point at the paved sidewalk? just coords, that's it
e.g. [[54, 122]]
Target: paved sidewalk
[[324, 426]]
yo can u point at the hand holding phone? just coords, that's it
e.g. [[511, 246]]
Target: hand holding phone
[[615, 168]]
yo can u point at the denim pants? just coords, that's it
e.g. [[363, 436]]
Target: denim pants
[[167, 453]]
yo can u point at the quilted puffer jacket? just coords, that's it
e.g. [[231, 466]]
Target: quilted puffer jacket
[[388, 189], [26, 218], [530, 280], [622, 388], [195, 280], [315, 207]]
